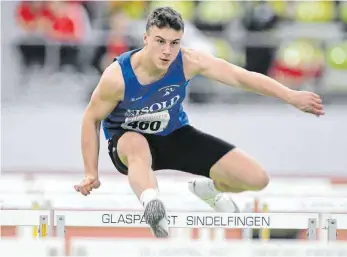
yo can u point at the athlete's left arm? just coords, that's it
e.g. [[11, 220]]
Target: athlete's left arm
[[220, 70]]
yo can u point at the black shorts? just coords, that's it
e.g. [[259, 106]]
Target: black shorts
[[186, 149]]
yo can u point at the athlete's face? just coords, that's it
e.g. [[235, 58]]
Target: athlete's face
[[163, 45]]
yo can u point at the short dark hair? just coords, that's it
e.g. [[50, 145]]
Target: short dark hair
[[162, 17]]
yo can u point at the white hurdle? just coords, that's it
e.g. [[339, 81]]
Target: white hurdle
[[188, 219], [311, 222], [304, 221]]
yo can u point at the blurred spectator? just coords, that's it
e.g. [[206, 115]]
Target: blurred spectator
[[259, 17], [117, 41], [215, 16], [62, 22], [298, 63], [67, 27], [27, 13], [30, 13], [91, 8], [242, 32], [67, 24], [30, 16]]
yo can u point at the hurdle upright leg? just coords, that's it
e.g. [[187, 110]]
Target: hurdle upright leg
[[60, 226], [43, 223], [332, 229], [312, 229]]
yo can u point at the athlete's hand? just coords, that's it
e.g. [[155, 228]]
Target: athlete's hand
[[307, 102], [87, 185]]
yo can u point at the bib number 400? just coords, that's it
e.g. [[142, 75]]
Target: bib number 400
[[145, 125], [150, 123]]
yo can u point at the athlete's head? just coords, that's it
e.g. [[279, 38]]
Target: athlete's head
[[162, 38]]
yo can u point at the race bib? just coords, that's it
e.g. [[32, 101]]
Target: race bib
[[149, 123]]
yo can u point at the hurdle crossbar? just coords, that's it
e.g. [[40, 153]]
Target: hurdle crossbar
[[62, 219], [306, 221], [188, 219]]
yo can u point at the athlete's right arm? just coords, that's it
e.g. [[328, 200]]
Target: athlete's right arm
[[106, 96]]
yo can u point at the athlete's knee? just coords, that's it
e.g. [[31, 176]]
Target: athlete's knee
[[259, 181], [238, 180], [133, 145], [238, 170]]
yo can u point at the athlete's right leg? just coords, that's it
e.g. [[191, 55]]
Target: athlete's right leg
[[133, 151]]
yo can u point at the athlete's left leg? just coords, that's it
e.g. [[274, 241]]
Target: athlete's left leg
[[237, 172], [234, 172], [224, 167]]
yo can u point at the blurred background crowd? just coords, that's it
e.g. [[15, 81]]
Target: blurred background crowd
[[53, 53], [302, 44]]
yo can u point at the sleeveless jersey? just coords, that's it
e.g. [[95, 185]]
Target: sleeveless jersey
[[155, 108]]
